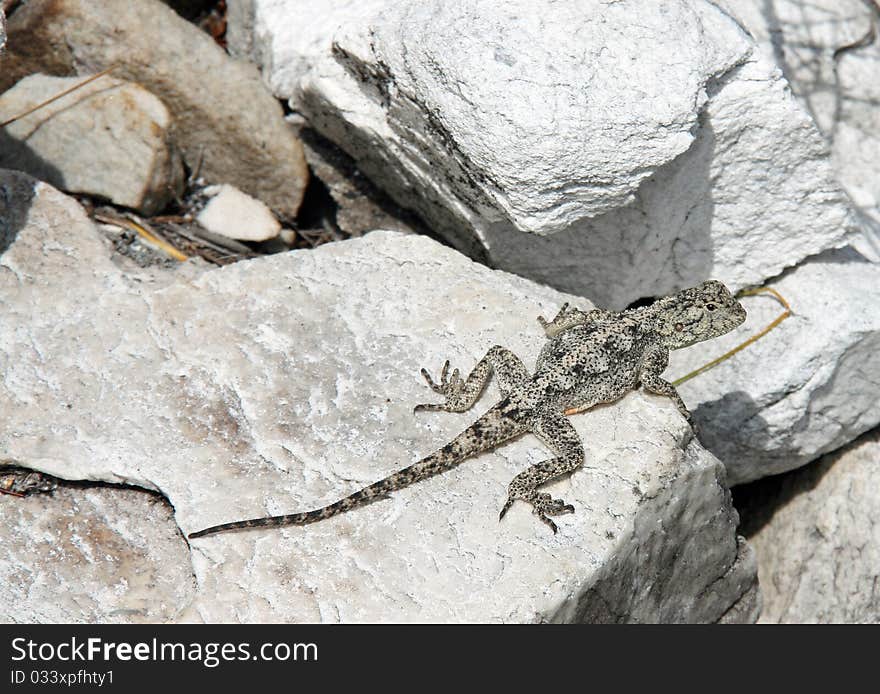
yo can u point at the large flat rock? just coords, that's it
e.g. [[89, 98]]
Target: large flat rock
[[285, 382], [614, 150], [816, 533]]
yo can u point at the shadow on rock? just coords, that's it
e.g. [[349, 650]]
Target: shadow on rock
[[16, 194], [734, 430], [758, 501]]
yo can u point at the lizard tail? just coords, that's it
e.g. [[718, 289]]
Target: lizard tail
[[492, 429]]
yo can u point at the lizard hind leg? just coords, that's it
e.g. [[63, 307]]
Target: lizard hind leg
[[557, 433], [461, 394]]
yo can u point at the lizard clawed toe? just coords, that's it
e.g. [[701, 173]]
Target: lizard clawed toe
[[450, 387], [543, 506], [544, 323], [437, 388], [549, 522]]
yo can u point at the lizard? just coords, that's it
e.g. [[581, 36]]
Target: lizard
[[590, 357]]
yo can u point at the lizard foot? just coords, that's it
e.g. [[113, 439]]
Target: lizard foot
[[543, 506], [450, 387], [544, 323]]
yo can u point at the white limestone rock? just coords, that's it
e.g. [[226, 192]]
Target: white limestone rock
[[110, 138], [285, 382], [235, 215], [816, 533], [614, 150], [829, 52], [287, 38], [94, 555], [226, 123], [806, 388]]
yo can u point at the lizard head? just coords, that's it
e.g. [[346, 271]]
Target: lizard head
[[697, 314]]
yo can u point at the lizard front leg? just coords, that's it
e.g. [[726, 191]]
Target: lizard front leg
[[462, 394], [568, 317], [653, 365], [558, 434]]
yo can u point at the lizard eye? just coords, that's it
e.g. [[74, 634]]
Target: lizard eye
[[711, 307], [679, 327]]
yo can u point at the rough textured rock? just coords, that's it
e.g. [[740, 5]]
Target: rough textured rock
[[92, 555], [617, 159], [110, 139], [816, 532], [293, 377], [225, 121], [806, 388], [748, 608], [830, 52], [240, 30], [289, 38], [236, 215]]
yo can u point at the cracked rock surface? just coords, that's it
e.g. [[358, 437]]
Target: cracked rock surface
[[816, 533], [613, 150], [285, 382]]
